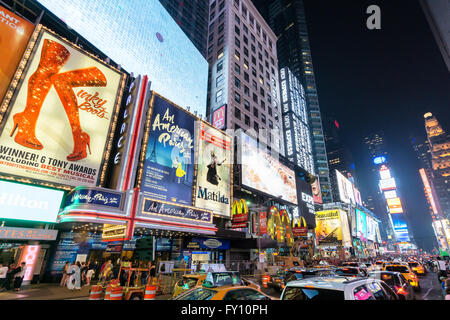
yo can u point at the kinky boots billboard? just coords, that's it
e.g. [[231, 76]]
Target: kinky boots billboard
[[58, 126]]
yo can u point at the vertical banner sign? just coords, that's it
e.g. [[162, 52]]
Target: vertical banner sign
[[239, 214], [14, 35], [29, 256], [219, 117], [263, 223], [58, 125], [213, 185], [168, 167], [317, 194]]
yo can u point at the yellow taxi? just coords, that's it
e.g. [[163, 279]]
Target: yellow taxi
[[416, 267], [188, 281], [226, 286], [406, 271]]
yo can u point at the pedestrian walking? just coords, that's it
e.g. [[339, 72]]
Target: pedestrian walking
[[19, 273], [441, 268], [152, 272], [3, 273], [64, 274], [74, 280], [83, 271]]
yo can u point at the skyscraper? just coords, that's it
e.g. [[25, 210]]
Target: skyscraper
[[437, 13], [192, 17], [243, 72], [287, 19], [439, 143]]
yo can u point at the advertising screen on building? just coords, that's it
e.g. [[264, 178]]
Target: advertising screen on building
[[394, 202], [390, 194], [400, 226], [169, 160], [263, 173], [25, 202], [328, 227], [219, 117], [58, 124], [177, 69], [371, 228], [395, 209], [15, 33], [385, 173], [387, 184], [306, 202], [317, 194], [346, 188], [214, 157], [361, 224]]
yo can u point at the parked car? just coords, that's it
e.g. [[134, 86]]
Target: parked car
[[351, 272], [279, 280]]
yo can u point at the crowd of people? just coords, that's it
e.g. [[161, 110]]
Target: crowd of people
[[11, 276]]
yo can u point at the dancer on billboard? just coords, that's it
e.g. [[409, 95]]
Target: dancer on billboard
[[53, 57], [212, 176]]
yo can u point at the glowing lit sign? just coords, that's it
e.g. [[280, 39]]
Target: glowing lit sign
[[428, 191], [395, 210], [394, 202], [385, 174], [390, 194], [387, 184], [27, 234], [219, 117], [29, 256], [379, 160], [25, 202]]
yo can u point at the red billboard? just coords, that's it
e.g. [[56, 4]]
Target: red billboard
[[219, 117]]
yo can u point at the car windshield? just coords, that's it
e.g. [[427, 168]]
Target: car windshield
[[413, 264], [187, 283], [400, 269], [318, 273], [351, 264], [342, 271], [197, 294], [379, 262], [389, 279], [306, 294]]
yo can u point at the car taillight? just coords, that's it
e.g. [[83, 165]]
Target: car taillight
[[400, 290]]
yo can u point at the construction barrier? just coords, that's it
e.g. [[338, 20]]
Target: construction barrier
[[150, 292], [107, 292], [265, 280], [96, 293], [116, 293]]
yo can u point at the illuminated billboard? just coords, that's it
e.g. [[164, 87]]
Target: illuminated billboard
[[390, 194], [169, 160], [59, 123], [214, 158], [361, 224], [332, 227], [260, 171], [385, 173], [15, 33], [395, 209], [394, 202], [26, 202], [219, 117], [379, 160], [387, 184], [176, 68], [348, 193], [317, 193], [400, 227]]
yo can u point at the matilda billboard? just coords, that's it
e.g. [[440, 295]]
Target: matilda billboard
[[328, 227], [168, 168], [15, 33], [57, 126], [213, 191]]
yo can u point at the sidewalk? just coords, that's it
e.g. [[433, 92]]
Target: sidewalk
[[52, 291]]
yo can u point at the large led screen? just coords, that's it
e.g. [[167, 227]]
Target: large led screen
[[25, 202], [400, 226], [390, 194], [214, 159], [346, 192], [58, 124], [332, 228], [361, 224], [143, 38], [387, 184], [260, 171], [169, 160]]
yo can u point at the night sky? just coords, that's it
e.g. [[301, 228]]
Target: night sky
[[381, 79]]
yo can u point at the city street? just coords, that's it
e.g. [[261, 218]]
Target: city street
[[430, 288]]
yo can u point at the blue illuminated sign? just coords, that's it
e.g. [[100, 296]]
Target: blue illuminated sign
[[379, 160]]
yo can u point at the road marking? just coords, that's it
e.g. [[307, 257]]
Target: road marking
[[425, 295]]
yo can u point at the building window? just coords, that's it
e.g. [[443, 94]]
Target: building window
[[247, 120], [237, 82], [219, 65], [256, 126], [220, 54], [244, 12], [270, 124], [255, 112], [255, 86], [221, 17], [237, 30], [245, 40], [245, 64], [221, 27], [210, 49], [237, 55], [246, 51], [255, 98], [219, 95], [237, 68], [220, 40], [246, 91], [237, 97], [246, 76], [247, 105], [269, 109], [263, 118], [253, 48], [237, 42], [236, 18], [263, 105], [245, 28], [219, 80], [236, 3], [261, 91], [237, 113], [254, 72]]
